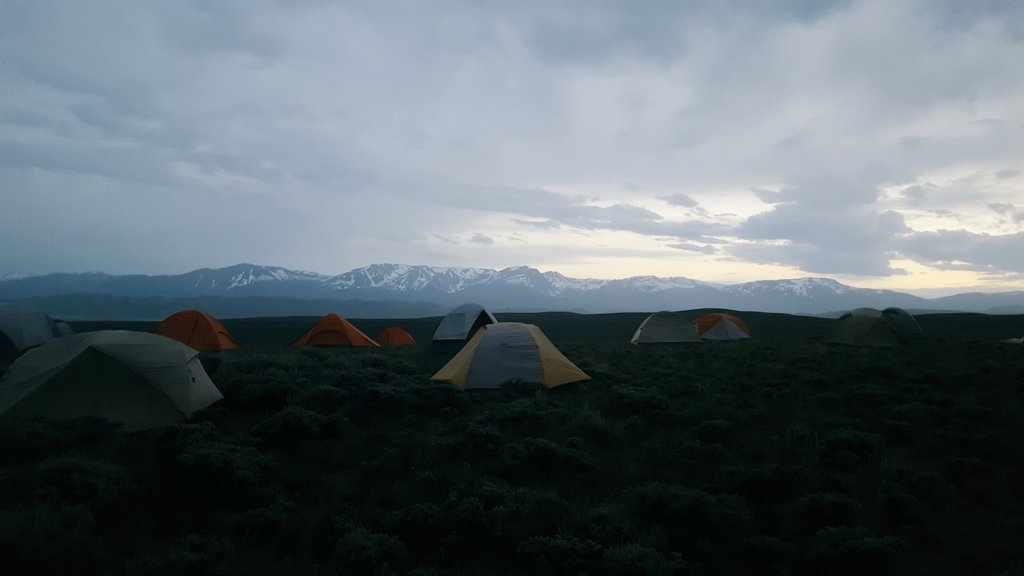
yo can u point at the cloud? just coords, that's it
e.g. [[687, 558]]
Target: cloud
[[539, 224], [1001, 208], [693, 247], [768, 196], [481, 239], [963, 250], [679, 200], [1006, 174]]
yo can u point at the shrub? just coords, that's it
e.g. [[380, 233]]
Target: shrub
[[639, 560], [357, 550], [815, 511], [290, 426], [540, 459], [561, 554], [854, 551], [712, 431], [49, 539]]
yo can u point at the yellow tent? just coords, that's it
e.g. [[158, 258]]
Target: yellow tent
[[507, 351]]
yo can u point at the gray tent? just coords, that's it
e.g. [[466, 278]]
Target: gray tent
[[22, 328], [902, 319], [865, 327], [665, 328], [459, 326], [136, 379]]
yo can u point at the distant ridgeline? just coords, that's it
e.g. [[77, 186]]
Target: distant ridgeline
[[392, 290]]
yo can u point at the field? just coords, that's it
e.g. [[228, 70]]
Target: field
[[779, 455]]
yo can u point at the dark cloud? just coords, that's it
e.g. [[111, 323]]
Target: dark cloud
[[1001, 208], [680, 200], [703, 249], [769, 196], [960, 249], [1005, 174], [481, 239]]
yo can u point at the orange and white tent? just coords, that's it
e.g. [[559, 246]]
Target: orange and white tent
[[721, 326], [395, 336], [333, 330], [198, 330]]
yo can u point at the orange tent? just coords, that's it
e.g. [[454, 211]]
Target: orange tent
[[198, 330], [721, 326], [395, 336], [333, 330]]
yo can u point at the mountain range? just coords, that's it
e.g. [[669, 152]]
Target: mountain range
[[426, 290]]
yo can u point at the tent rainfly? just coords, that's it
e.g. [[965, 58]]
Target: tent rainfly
[[721, 326], [22, 328], [902, 319], [198, 330], [333, 330], [395, 336], [136, 379], [507, 351], [665, 328], [865, 327], [459, 326]]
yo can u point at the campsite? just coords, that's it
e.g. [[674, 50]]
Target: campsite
[[775, 454]]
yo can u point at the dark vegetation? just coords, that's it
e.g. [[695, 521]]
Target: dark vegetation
[[779, 455]]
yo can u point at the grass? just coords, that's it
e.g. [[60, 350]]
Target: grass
[[779, 455]]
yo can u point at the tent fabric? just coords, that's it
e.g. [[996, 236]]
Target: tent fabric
[[395, 336], [198, 330], [506, 351], [665, 328], [333, 330], [721, 326], [865, 327], [459, 326], [23, 328], [136, 379], [903, 320]]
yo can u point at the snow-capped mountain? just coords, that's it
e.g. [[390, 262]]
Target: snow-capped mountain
[[520, 288]]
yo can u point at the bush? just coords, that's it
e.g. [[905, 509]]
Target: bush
[[854, 551], [357, 550], [712, 431], [815, 511], [639, 560], [562, 554], [290, 426]]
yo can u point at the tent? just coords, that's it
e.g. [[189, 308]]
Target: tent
[[665, 328], [865, 327], [136, 379], [395, 336], [198, 330], [459, 326], [22, 328], [508, 351], [333, 330], [721, 326], [902, 319]]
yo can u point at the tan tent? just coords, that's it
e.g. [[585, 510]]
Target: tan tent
[[665, 328], [136, 379], [198, 330], [721, 326], [458, 327], [865, 327], [508, 351]]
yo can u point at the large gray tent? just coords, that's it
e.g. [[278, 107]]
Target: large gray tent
[[22, 328], [865, 327], [903, 320], [459, 326], [136, 379], [665, 328]]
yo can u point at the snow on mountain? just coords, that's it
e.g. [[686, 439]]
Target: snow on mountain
[[515, 288]]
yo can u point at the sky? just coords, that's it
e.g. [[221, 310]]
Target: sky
[[877, 142]]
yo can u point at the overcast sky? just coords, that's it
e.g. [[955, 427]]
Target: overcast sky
[[878, 142]]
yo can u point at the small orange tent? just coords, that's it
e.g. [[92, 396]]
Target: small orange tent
[[333, 330], [721, 326], [395, 336], [198, 330]]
